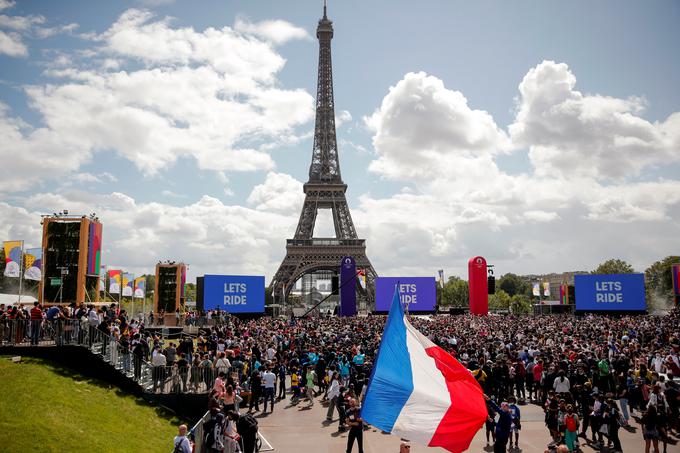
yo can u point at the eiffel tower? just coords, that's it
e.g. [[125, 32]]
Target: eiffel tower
[[324, 190]]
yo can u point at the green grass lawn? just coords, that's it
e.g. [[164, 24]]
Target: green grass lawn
[[48, 408]]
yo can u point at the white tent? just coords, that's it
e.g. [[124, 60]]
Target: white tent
[[13, 299]]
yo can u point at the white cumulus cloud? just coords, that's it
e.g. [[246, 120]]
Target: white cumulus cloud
[[568, 132], [423, 128], [207, 94], [276, 31], [279, 192], [586, 152]]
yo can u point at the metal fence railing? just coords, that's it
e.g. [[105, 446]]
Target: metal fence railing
[[197, 434], [157, 320], [71, 332], [175, 379]]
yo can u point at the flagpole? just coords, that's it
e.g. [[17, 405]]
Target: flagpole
[[132, 310], [377, 356], [21, 271]]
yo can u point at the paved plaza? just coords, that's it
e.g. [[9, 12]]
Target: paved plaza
[[301, 429]]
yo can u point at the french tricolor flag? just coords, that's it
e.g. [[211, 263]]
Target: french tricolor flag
[[420, 392]]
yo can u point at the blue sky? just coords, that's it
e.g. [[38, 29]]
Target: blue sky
[[542, 135]]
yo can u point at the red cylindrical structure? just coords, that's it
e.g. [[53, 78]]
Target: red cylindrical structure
[[479, 291]]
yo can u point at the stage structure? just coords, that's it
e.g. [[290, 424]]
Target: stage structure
[[325, 189], [71, 250], [168, 293]]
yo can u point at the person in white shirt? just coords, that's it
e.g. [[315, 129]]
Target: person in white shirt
[[658, 399], [181, 440], [561, 383], [158, 361], [271, 353], [658, 363], [333, 395], [269, 381], [222, 363]]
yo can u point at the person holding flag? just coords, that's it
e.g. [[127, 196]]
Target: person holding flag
[[420, 392]]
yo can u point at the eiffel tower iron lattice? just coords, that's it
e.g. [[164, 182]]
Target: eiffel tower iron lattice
[[324, 190]]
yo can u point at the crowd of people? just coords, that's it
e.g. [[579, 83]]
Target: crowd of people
[[592, 375]]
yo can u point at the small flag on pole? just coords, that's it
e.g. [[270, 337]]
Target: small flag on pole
[[441, 278], [361, 276], [420, 392], [128, 280], [33, 264], [115, 279], [13, 258], [140, 287], [102, 278]]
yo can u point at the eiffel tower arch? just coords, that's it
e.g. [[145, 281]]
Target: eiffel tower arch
[[324, 190]]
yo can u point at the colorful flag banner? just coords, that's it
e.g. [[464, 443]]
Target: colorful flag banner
[[13, 252], [564, 294], [140, 287], [546, 289], [128, 282], [441, 278], [33, 264], [676, 279], [420, 392], [183, 279], [536, 291], [361, 276], [102, 278], [94, 250], [114, 281]]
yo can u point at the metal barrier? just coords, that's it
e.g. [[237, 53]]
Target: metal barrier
[[72, 332], [193, 321], [197, 434], [63, 332], [173, 379]]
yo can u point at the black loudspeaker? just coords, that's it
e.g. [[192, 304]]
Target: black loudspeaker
[[167, 288], [491, 282], [199, 293], [457, 311], [334, 284]]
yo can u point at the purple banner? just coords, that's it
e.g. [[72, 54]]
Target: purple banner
[[417, 293], [348, 284]]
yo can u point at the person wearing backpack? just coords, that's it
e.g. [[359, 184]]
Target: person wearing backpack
[[571, 423], [181, 442], [246, 425]]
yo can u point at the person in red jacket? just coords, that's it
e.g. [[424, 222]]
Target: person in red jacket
[[36, 321]]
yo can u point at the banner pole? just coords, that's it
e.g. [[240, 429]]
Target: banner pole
[[21, 271]]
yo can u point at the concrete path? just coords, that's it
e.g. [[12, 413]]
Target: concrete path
[[301, 429]]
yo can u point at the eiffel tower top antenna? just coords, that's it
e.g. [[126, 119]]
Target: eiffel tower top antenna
[[324, 9]]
